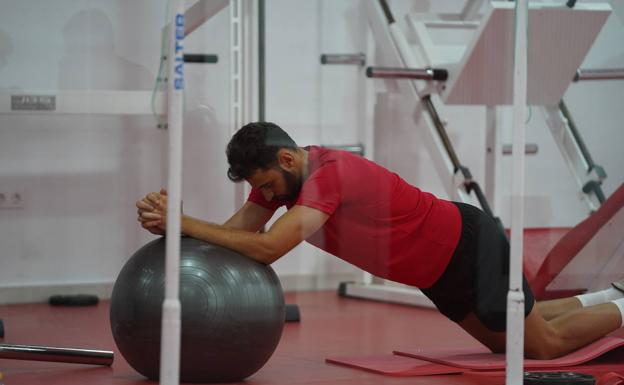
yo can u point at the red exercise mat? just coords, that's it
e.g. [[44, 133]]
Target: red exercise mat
[[403, 366], [393, 365], [489, 361]]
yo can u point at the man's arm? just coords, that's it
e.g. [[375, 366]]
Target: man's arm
[[250, 217], [287, 232]]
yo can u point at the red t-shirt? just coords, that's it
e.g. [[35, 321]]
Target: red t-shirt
[[377, 221]]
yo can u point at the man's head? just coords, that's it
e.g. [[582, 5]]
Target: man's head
[[266, 156]]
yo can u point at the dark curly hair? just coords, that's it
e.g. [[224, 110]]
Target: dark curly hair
[[255, 147]]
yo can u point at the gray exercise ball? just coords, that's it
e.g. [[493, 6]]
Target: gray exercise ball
[[232, 312]]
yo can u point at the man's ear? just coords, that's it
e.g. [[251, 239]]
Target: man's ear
[[286, 158]]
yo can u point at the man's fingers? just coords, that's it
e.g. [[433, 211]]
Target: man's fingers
[[152, 223], [151, 215], [143, 219], [153, 198], [152, 229], [148, 211], [143, 205]]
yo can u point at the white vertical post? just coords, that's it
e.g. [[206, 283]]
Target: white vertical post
[[236, 64], [237, 71], [170, 333], [491, 155], [515, 298]]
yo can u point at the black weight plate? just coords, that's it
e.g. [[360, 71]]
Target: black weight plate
[[558, 378]]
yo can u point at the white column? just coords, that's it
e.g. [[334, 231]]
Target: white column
[[515, 298], [491, 156], [170, 333], [239, 63]]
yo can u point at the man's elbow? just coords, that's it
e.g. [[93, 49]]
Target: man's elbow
[[269, 252], [266, 257]]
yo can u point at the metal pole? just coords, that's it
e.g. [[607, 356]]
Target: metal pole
[[261, 60], [353, 59], [446, 141], [407, 73], [171, 314], [599, 74], [50, 354], [515, 297]]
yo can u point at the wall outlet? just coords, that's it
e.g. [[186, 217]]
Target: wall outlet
[[11, 200]]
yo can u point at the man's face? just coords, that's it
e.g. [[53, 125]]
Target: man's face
[[276, 183]]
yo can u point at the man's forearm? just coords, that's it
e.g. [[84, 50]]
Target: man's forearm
[[253, 245]]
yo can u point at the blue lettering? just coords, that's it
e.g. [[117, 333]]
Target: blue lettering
[[178, 82]]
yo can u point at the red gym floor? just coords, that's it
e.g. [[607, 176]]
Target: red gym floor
[[330, 326]]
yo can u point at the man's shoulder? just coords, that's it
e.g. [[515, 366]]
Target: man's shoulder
[[328, 156]]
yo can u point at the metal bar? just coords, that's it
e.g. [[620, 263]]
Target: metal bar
[[559, 127], [591, 186], [474, 186], [594, 187], [451, 24], [441, 132], [599, 74], [261, 60], [529, 149], [470, 185], [407, 73], [50, 354], [201, 58], [355, 59], [386, 10], [576, 135], [357, 149]]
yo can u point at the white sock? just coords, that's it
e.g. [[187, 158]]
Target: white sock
[[600, 297], [620, 304]]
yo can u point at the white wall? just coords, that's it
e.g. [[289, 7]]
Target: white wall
[[81, 174]]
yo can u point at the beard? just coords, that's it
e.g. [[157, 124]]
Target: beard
[[293, 185]]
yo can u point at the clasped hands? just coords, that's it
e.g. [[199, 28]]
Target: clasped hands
[[152, 211]]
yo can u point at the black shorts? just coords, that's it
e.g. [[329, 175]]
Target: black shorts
[[477, 277]]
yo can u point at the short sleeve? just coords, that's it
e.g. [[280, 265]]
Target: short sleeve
[[322, 190], [255, 196]]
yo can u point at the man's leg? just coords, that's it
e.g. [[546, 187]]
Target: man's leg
[[558, 307], [551, 339], [495, 341], [570, 331]]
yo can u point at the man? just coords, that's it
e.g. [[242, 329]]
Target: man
[[370, 217]]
